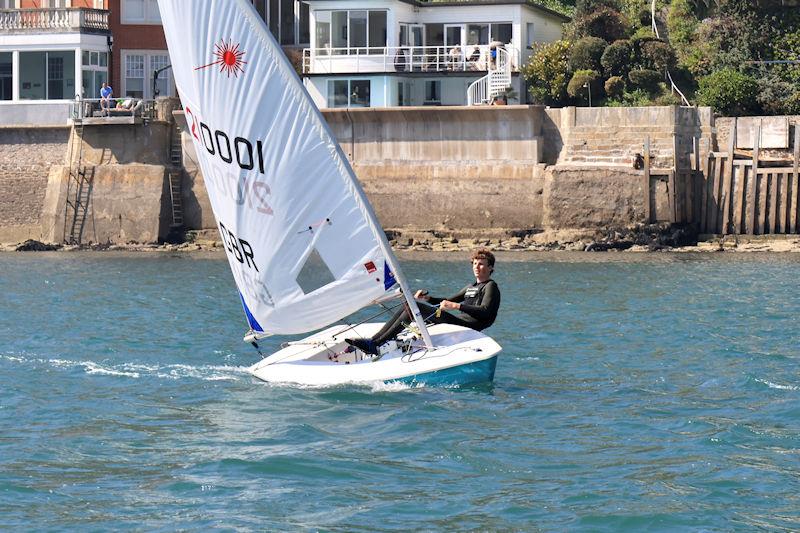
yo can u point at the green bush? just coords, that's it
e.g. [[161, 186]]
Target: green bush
[[576, 87], [586, 54], [604, 22], [681, 25], [792, 105], [657, 55], [547, 72], [616, 58], [645, 79], [729, 92], [614, 86]]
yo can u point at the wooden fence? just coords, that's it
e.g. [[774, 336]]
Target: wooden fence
[[751, 196]]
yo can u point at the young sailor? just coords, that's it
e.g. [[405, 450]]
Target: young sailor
[[476, 303]]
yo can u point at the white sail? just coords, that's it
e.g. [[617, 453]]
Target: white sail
[[301, 239]]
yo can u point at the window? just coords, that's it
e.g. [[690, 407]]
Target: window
[[403, 93], [134, 76], [353, 31], [477, 34], [434, 34], [348, 93], [158, 62], [8, 4], [94, 71], [529, 39], [323, 34], [501, 32], [138, 70], [433, 92], [6, 84], [46, 75], [140, 12]]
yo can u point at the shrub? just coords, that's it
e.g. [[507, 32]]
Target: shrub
[[614, 86], [792, 105], [636, 98], [657, 55], [681, 25], [576, 87], [729, 92], [547, 73], [668, 98], [645, 79], [604, 22], [773, 94], [616, 58], [586, 54]]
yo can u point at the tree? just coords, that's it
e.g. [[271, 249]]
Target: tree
[[547, 72], [586, 53], [729, 92], [617, 58], [582, 82]]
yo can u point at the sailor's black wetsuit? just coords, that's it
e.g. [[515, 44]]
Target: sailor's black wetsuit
[[479, 305]]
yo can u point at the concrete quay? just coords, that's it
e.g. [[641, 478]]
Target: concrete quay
[[495, 173]]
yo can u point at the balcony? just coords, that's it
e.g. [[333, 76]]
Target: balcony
[[402, 59], [53, 20]]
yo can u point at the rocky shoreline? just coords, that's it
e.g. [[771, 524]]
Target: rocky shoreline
[[641, 238]]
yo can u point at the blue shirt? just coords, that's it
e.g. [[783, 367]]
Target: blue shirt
[[105, 92]]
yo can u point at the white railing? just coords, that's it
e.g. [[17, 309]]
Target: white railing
[[401, 59], [498, 79], [53, 19]]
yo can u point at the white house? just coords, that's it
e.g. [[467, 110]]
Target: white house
[[381, 53], [48, 55]]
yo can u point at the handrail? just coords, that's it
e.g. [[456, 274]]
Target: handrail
[[59, 18], [669, 76], [497, 80], [401, 59]]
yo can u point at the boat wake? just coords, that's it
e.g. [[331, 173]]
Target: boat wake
[[778, 386], [135, 370]]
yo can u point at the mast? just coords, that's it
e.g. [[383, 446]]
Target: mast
[[377, 230]]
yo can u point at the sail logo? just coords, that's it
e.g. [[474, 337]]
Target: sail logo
[[228, 57]]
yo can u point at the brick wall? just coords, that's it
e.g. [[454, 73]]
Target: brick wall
[[26, 155]]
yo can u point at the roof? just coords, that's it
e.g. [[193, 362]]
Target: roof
[[530, 3]]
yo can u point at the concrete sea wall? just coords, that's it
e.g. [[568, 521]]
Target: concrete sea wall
[[455, 170]]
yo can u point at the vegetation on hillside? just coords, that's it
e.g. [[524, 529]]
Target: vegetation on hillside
[[715, 50]]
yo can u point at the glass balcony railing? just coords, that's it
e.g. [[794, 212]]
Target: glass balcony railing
[[53, 20], [402, 59]]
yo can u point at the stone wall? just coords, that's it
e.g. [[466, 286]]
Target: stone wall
[[613, 135], [128, 204], [26, 155]]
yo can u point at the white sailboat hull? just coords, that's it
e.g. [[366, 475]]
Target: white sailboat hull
[[460, 356]]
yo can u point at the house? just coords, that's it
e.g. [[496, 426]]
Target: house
[[50, 50], [382, 53], [54, 50]]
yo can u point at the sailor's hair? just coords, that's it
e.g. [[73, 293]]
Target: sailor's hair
[[483, 253]]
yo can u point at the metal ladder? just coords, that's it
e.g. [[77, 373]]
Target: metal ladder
[[79, 187], [175, 177], [175, 198]]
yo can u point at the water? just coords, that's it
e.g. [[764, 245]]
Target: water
[[636, 392]]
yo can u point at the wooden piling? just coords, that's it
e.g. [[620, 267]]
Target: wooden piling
[[754, 182], [648, 216]]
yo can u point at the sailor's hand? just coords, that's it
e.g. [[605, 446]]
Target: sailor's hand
[[422, 295], [447, 304]]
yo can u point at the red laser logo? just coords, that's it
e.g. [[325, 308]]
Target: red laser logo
[[229, 58]]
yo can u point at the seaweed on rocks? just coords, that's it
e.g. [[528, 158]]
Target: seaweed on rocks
[[37, 246], [653, 236]]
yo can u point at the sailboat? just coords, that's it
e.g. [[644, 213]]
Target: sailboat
[[303, 242]]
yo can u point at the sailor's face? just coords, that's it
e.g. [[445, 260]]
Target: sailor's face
[[481, 269]]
